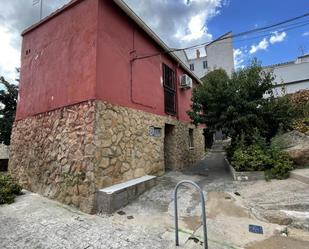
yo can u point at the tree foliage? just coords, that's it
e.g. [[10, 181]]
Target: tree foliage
[[8, 102], [237, 104]]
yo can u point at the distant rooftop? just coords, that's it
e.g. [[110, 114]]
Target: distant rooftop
[[300, 59]]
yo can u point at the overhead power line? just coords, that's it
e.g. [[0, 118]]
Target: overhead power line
[[271, 26], [270, 33], [268, 28]]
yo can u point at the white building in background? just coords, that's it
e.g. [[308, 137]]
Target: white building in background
[[219, 54], [291, 76]]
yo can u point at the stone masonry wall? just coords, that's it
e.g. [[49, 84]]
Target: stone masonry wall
[[70, 153], [126, 150], [53, 154]]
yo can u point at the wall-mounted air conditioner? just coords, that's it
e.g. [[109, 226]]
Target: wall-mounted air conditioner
[[185, 81]]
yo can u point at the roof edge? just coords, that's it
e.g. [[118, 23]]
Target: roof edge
[[303, 56], [124, 7], [220, 37], [280, 64], [154, 36], [51, 16]]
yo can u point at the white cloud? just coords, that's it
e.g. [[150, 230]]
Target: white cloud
[[239, 57], [196, 29], [277, 37], [263, 45], [9, 55], [180, 23], [306, 33], [15, 16]]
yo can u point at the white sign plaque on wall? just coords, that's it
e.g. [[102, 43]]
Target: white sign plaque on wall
[[155, 131]]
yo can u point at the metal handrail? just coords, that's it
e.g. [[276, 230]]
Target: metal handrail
[[203, 211]]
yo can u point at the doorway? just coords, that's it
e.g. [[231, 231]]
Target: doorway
[[208, 138], [169, 147]]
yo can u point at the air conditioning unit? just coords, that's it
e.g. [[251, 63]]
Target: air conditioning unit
[[185, 81]]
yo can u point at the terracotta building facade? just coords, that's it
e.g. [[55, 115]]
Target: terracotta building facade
[[99, 104]]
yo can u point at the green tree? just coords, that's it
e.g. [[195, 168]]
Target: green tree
[[210, 96], [237, 104], [8, 102]]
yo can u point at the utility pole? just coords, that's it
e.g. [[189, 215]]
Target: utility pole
[[302, 49], [41, 10], [35, 2]]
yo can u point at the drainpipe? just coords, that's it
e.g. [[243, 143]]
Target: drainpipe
[[176, 82], [132, 59]]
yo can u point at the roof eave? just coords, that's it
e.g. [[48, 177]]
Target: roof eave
[[156, 38], [133, 16], [52, 15]]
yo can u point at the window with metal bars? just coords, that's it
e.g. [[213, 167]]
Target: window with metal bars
[[169, 84]]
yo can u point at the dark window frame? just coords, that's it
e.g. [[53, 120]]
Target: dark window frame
[[192, 66], [205, 64], [169, 85]]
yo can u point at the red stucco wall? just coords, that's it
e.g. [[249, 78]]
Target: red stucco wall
[[84, 53], [60, 69], [119, 39]]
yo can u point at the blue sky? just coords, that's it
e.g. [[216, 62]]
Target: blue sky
[[240, 15], [180, 23]]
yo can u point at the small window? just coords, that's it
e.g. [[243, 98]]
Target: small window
[[191, 139], [205, 64], [192, 67]]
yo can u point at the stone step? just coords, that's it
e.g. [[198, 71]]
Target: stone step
[[216, 150], [301, 175], [117, 196]]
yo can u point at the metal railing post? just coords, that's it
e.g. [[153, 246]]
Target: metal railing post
[[203, 211]]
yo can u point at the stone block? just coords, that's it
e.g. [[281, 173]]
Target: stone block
[[117, 196], [245, 175]]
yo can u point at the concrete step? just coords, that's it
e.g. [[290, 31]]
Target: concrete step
[[301, 175], [216, 150]]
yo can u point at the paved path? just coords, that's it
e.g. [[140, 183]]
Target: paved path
[[213, 167], [34, 222], [215, 171]]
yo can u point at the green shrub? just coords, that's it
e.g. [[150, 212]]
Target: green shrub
[[252, 158], [257, 157], [281, 164], [8, 189]]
